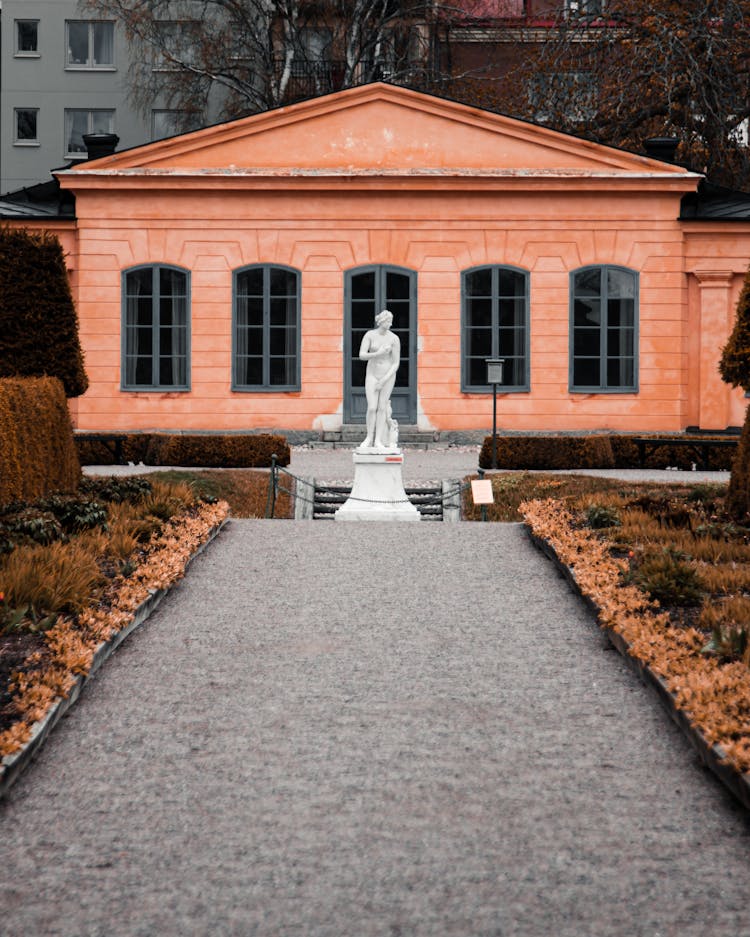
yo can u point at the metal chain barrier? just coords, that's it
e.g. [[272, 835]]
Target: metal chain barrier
[[274, 487]]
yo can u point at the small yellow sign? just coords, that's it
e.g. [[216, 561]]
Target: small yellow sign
[[481, 491]]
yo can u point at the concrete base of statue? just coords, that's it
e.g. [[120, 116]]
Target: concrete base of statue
[[378, 491]]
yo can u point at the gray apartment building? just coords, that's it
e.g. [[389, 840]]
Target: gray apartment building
[[61, 76]]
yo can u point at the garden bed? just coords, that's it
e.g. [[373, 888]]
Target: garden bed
[[668, 575], [76, 577]]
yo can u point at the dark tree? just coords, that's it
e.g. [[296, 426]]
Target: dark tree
[[734, 367]]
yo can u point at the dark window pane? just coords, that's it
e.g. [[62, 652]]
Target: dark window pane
[[363, 315], [402, 375], [620, 342], [396, 287], [400, 311], [143, 340], [479, 312], [588, 282], [139, 311], [250, 311], [620, 312], [363, 286], [140, 282], [511, 283], [284, 311], [27, 35], [477, 372], [512, 343], [512, 312], [139, 372], [621, 373], [283, 282], [250, 371], [358, 372], [514, 374], [586, 342], [586, 312], [250, 282], [479, 282], [621, 284], [282, 341], [172, 371], [172, 282], [480, 342], [26, 124], [281, 371], [586, 372], [78, 43]]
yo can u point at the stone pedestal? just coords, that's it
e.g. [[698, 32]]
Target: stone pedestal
[[378, 493]]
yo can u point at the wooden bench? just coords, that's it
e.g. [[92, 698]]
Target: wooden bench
[[700, 447], [112, 441]]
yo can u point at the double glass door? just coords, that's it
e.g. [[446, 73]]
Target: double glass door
[[368, 290]]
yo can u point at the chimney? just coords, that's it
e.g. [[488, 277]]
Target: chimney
[[100, 144], [663, 148]]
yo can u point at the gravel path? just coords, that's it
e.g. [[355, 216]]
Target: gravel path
[[370, 729]]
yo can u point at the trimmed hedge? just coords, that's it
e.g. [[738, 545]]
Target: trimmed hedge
[[251, 450], [38, 319], [595, 451], [548, 452], [37, 452]]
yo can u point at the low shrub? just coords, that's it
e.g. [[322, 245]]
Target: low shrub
[[47, 580], [75, 512], [668, 578], [548, 452], [115, 490], [599, 516], [204, 450]]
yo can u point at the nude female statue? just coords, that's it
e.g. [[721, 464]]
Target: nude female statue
[[381, 349]]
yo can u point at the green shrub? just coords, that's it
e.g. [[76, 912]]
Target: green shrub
[[668, 578], [600, 516], [114, 489], [38, 320], [75, 512]]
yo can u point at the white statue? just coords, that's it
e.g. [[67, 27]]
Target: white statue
[[381, 349]]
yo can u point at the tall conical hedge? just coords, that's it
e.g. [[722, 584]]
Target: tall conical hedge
[[734, 368], [38, 320]]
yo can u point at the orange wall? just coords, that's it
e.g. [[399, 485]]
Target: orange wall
[[438, 234]]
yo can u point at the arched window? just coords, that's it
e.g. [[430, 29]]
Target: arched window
[[495, 324], [266, 333], [604, 330], [156, 329]]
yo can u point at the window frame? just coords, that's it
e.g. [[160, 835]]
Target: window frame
[[17, 141], [25, 53], [265, 387], [155, 268], [89, 65], [466, 387], [81, 154], [603, 327]]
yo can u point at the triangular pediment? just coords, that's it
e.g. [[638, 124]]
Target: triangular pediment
[[379, 128]]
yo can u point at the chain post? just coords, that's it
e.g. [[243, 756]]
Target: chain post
[[272, 483]]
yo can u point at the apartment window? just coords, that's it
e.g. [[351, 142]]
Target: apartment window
[[156, 336], [585, 7], [266, 350], [174, 42], [604, 330], [26, 126], [495, 319], [27, 37], [167, 123], [90, 44], [80, 122]]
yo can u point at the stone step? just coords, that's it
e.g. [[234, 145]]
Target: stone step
[[329, 498], [352, 434]]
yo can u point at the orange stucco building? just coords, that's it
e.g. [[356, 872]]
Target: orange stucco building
[[224, 277]]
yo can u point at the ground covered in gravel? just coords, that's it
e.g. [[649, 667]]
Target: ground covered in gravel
[[370, 729]]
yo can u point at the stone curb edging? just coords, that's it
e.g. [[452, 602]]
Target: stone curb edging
[[712, 755], [12, 766]]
